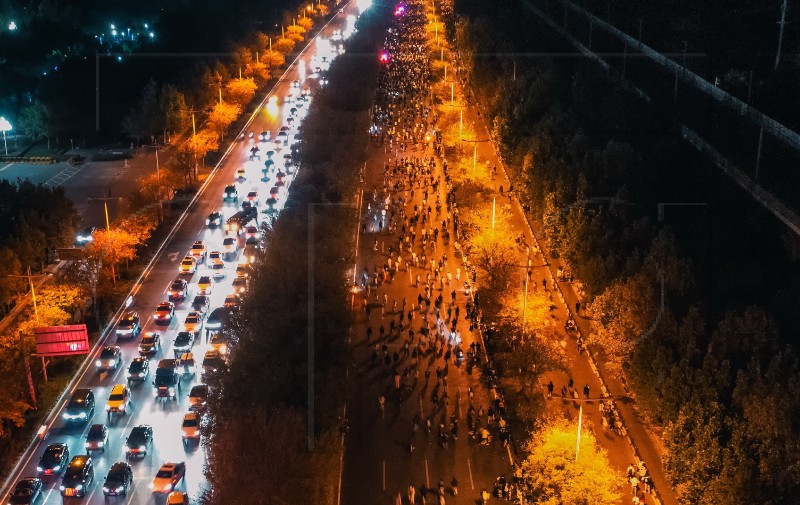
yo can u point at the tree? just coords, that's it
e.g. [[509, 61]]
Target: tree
[[284, 45], [55, 306], [305, 23], [35, 121], [111, 248], [622, 315], [241, 91], [174, 110], [12, 407], [295, 32], [221, 116], [9, 285], [143, 118], [490, 244], [551, 475]]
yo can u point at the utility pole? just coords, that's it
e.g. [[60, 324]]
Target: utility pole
[[782, 23], [105, 201]]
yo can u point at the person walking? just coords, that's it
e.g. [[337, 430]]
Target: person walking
[[484, 497], [454, 484], [411, 494]]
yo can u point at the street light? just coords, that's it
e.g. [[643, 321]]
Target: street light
[[5, 126]]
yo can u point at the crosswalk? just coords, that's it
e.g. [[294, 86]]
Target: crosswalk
[[64, 175]]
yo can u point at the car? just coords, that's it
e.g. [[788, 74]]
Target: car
[[265, 135], [186, 365], [139, 441], [138, 370], [168, 477], [250, 253], [231, 301], [242, 270], [118, 480], [218, 271], [150, 344], [78, 476], [217, 318], [230, 194], [219, 342], [54, 459], [198, 251], [96, 438], [240, 285], [251, 232], [229, 245], [164, 312], [85, 236], [215, 219], [296, 84], [118, 400], [167, 381], [213, 362], [193, 322], [282, 138], [184, 341], [240, 174], [178, 290], [80, 407], [201, 303], [204, 285], [177, 498], [190, 427], [26, 492], [129, 325], [110, 358], [214, 256], [252, 197], [198, 397], [188, 266]]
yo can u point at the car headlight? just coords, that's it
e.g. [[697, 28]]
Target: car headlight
[[98, 363], [141, 374], [100, 443], [78, 487], [38, 468], [61, 487], [108, 407], [119, 489], [141, 447], [105, 489], [82, 415], [57, 468]]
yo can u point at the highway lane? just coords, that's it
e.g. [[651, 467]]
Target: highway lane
[[166, 417]]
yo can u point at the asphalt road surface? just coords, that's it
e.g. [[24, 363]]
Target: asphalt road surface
[[165, 416]]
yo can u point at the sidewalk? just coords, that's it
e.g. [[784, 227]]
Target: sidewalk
[[636, 443]]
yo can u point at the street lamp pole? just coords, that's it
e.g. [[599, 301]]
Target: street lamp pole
[[5, 126]]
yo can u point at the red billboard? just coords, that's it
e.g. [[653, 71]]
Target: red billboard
[[61, 340]]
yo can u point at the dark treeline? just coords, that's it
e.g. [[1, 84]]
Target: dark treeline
[[34, 221], [260, 416], [593, 164]]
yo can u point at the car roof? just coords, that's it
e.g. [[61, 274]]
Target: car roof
[[118, 388], [119, 466], [79, 460]]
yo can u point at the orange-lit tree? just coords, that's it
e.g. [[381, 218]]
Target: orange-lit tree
[[551, 474], [241, 91]]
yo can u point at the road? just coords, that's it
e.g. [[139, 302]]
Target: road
[[384, 453], [166, 418]]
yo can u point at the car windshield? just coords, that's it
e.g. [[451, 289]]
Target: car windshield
[[163, 308], [116, 397], [190, 423], [23, 489], [191, 319], [138, 436], [107, 353], [218, 266], [177, 285], [95, 431], [136, 366], [149, 340], [186, 262], [164, 474], [73, 472], [77, 403]]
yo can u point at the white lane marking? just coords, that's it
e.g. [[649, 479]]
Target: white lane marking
[[173, 256], [384, 475], [47, 496], [427, 479], [6, 166], [471, 483], [341, 458]]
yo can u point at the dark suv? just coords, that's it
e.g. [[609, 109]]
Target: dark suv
[[54, 459], [119, 480], [80, 408], [78, 477]]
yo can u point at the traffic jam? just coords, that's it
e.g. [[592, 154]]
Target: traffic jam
[[132, 426]]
